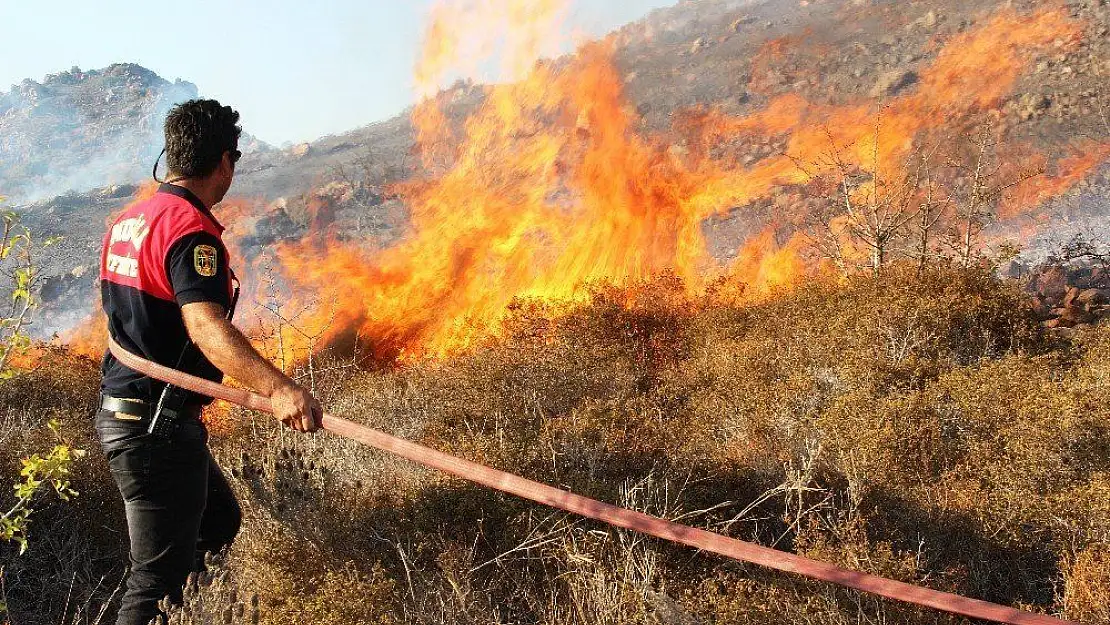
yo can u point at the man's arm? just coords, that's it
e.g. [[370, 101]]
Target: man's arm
[[226, 347]]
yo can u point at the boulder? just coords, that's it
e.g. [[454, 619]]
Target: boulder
[[890, 83], [1040, 309], [1032, 105], [1075, 316], [739, 23], [1065, 333], [1052, 284], [1016, 269], [1100, 278], [1070, 297], [1093, 297]]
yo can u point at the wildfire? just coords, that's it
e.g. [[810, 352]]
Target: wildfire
[[1069, 172], [551, 183]]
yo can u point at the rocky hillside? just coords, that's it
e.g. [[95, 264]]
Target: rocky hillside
[[732, 56], [79, 130], [738, 57]]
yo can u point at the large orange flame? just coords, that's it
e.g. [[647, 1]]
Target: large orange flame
[[550, 185]]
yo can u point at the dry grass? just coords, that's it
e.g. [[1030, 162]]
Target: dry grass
[[77, 553], [915, 426]]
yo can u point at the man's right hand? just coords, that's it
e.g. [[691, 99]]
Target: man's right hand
[[296, 407], [226, 347]]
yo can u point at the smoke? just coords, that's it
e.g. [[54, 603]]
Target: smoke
[[83, 130]]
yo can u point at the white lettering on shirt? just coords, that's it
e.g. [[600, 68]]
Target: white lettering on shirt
[[132, 230], [123, 265]]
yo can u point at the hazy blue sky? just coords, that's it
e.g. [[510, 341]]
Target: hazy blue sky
[[296, 69]]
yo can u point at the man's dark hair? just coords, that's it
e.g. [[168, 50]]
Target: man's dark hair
[[198, 132]]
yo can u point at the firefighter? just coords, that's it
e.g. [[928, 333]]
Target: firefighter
[[169, 293]]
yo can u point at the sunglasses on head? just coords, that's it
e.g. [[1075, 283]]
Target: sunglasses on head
[[235, 156]]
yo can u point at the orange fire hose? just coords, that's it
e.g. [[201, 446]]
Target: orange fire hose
[[606, 513]]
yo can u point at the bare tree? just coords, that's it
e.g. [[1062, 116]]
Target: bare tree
[[979, 185], [933, 206], [1086, 248], [873, 207]]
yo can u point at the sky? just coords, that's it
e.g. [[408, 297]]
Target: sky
[[295, 69]]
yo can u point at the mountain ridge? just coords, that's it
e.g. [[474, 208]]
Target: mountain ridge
[[83, 129]]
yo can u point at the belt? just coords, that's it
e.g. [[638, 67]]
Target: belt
[[139, 408]]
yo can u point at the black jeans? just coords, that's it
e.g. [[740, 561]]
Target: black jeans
[[178, 505]]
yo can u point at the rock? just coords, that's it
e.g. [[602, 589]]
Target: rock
[[1040, 309], [1033, 105], [1070, 296], [699, 45], [739, 23], [1075, 316], [83, 129], [1100, 278], [1065, 333], [1015, 269], [892, 82], [930, 20], [300, 151], [1052, 284], [1093, 297]]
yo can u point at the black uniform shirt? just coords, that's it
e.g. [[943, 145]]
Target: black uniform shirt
[[159, 255]]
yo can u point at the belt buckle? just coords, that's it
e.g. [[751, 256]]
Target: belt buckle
[[123, 416]]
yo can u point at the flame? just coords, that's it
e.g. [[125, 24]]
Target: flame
[[26, 359], [463, 38], [219, 417], [1070, 171], [958, 83], [550, 184], [526, 210], [763, 266], [89, 338]]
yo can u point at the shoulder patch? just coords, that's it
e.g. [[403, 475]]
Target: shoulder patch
[[204, 260]]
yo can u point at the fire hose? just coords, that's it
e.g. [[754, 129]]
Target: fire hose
[[604, 512]]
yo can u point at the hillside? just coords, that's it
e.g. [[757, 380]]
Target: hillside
[[79, 130], [740, 60]]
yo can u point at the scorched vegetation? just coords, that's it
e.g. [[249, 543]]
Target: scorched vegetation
[[919, 425]]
